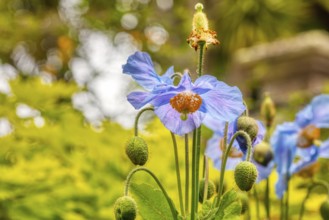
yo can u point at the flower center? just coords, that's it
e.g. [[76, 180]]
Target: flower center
[[234, 153], [185, 103], [307, 136]]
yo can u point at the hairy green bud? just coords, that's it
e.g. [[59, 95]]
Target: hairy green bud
[[137, 150], [267, 110], [245, 175], [249, 125], [211, 190], [324, 210], [263, 153], [125, 208]]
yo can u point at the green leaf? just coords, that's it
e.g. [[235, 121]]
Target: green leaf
[[207, 212], [229, 207], [151, 202]]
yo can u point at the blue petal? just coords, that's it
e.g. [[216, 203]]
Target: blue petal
[[214, 124], [139, 99], [172, 121], [324, 149], [284, 141], [263, 171], [140, 67], [213, 150], [306, 156], [224, 103], [281, 185], [207, 82], [320, 110], [186, 82], [167, 76], [304, 117]]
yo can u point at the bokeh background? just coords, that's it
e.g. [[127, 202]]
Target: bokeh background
[[64, 118]]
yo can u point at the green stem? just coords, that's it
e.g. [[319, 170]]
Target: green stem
[[193, 199], [222, 171], [246, 112], [187, 174], [267, 198], [138, 116], [170, 203], [201, 57], [287, 200], [257, 203], [197, 170], [268, 185], [179, 183], [281, 207], [287, 190], [310, 188], [227, 151], [206, 179]]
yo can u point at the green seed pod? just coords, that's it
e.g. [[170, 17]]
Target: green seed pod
[[245, 175], [137, 150], [211, 189], [324, 210], [200, 21], [249, 125], [263, 153], [125, 208]]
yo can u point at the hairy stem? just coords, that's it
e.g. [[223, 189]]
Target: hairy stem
[[138, 116], [179, 183]]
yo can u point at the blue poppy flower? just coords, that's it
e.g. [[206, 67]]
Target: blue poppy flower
[[296, 144], [214, 149], [182, 108]]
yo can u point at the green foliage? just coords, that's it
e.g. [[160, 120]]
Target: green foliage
[[151, 202], [65, 169], [229, 206]]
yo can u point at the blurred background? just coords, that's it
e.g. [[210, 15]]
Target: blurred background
[[64, 118]]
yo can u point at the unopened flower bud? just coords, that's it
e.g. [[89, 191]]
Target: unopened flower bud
[[248, 125], [245, 175], [267, 110], [125, 208], [324, 210], [137, 150], [211, 190], [263, 153]]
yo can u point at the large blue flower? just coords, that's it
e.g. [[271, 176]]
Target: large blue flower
[[296, 144], [214, 149], [182, 108]]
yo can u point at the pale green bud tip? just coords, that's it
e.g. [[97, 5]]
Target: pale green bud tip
[[324, 210], [245, 175], [125, 208], [210, 190], [268, 110], [137, 151], [198, 7]]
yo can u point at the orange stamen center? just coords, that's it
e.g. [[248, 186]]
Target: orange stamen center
[[186, 102], [307, 136]]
